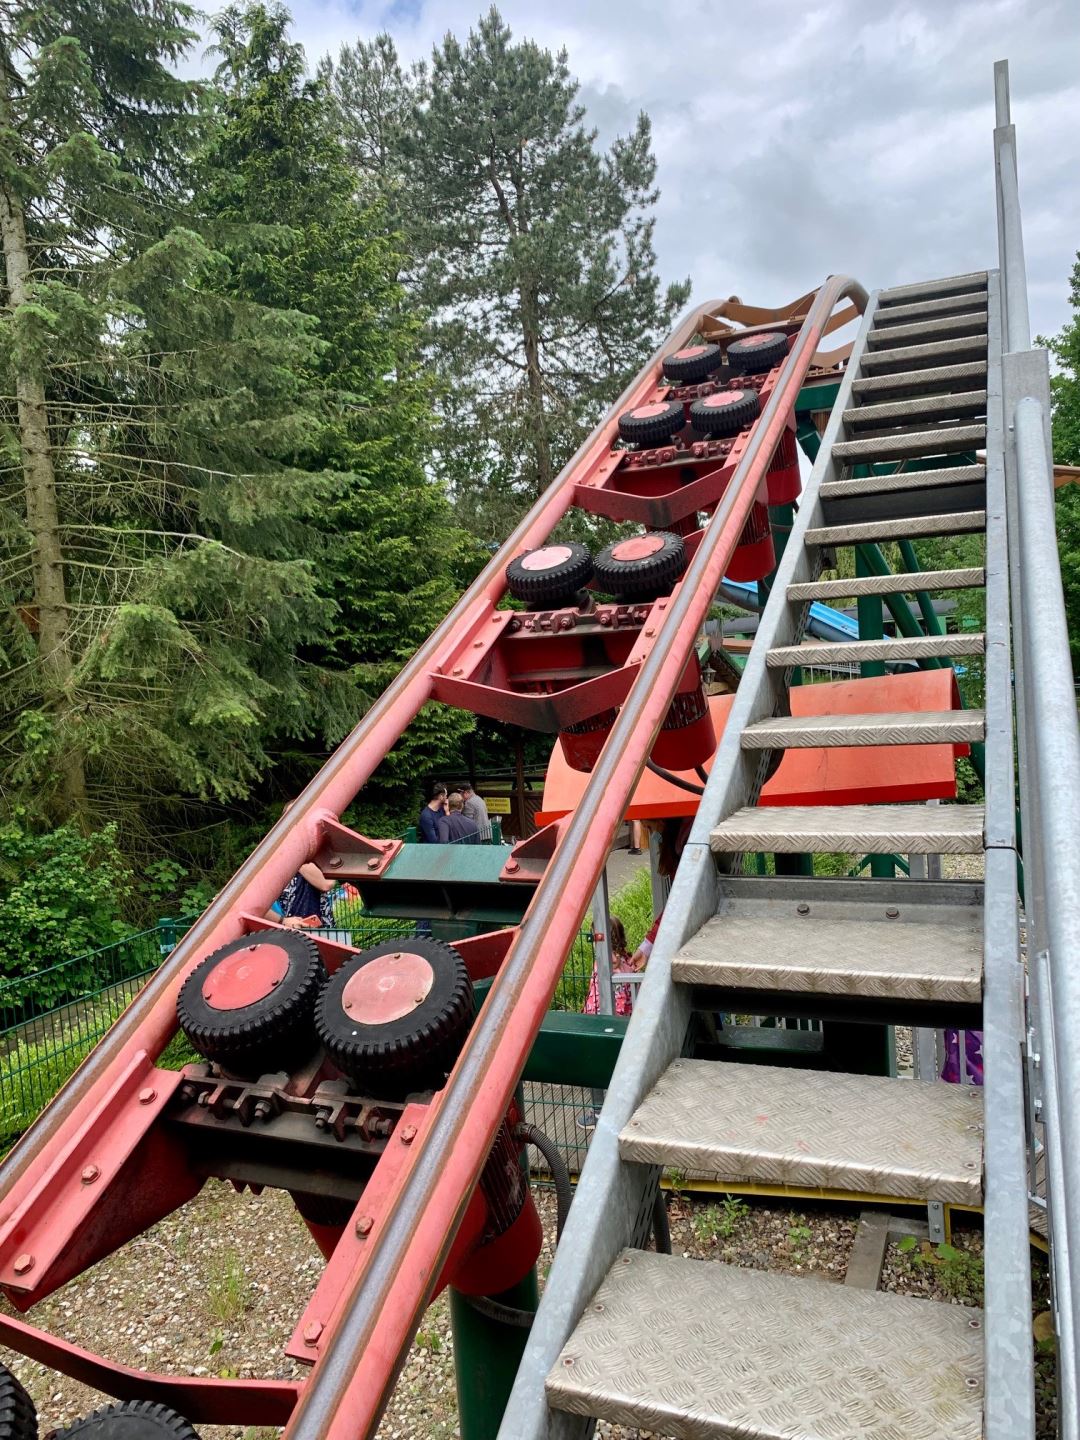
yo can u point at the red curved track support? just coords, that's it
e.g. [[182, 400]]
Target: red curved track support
[[100, 1164]]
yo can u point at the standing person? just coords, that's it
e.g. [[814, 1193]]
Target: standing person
[[455, 825], [305, 902], [427, 825], [621, 963], [475, 808]]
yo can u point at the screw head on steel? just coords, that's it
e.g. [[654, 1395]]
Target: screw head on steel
[[90, 1174], [802, 908], [335, 862], [408, 1135], [511, 866], [145, 1096], [312, 1330], [892, 912], [365, 1225], [23, 1263], [373, 863]]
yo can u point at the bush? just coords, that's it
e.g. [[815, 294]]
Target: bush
[[61, 895]]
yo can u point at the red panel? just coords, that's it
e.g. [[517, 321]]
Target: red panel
[[851, 775]]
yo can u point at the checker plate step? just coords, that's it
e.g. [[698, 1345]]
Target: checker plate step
[[910, 444], [771, 1125], [927, 289], [969, 579], [959, 522], [702, 1351], [857, 829], [809, 732], [886, 949], [914, 647]]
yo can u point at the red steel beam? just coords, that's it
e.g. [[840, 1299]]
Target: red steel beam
[[348, 1390]]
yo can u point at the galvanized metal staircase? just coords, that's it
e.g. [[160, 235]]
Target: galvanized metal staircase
[[701, 1350], [918, 445]]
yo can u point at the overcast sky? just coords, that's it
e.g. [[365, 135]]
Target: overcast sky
[[798, 139]]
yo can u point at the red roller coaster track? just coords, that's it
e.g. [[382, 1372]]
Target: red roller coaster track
[[101, 1163]]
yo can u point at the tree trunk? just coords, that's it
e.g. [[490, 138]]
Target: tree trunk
[[530, 330], [42, 514]]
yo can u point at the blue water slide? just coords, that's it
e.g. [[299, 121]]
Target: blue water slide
[[824, 622]]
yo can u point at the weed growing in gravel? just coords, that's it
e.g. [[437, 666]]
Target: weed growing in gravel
[[718, 1222], [428, 1341], [227, 1294], [958, 1272], [797, 1236]]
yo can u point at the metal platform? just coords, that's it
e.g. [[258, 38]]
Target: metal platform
[[854, 1133], [861, 829], [710, 1352]]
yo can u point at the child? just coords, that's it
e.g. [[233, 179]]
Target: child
[[620, 963]]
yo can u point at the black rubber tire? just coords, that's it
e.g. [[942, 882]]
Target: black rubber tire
[[414, 1052], [652, 423], [555, 585], [715, 415], [693, 363], [757, 353], [270, 1034], [18, 1419], [131, 1420], [647, 577]]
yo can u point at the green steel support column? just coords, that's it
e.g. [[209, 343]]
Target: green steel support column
[[487, 1353], [871, 627]]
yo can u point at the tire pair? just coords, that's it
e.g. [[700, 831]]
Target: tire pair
[[639, 568], [392, 1019], [723, 413]]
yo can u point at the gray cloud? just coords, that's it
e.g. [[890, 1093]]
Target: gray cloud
[[795, 139]]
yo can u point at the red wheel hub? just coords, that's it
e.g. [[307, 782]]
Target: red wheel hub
[[690, 353], [638, 547], [245, 977], [547, 558], [646, 412], [387, 988], [761, 339], [722, 398]]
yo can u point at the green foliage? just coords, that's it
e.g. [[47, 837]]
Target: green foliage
[[958, 1272], [633, 905], [719, 1222], [531, 248], [1065, 397], [61, 895]]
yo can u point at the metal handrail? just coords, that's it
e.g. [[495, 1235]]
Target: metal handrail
[[1049, 762]]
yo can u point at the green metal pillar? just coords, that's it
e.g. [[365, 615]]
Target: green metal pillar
[[487, 1353]]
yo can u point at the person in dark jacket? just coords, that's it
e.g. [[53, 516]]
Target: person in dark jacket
[[455, 825], [427, 825]]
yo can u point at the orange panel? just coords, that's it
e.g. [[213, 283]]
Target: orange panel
[[851, 775]]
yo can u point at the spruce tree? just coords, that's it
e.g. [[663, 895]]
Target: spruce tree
[[158, 547], [393, 560]]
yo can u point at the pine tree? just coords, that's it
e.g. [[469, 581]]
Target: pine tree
[[532, 249], [157, 549]]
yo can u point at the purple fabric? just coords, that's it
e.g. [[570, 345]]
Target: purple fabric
[[973, 1057]]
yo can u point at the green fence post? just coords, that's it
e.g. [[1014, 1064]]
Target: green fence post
[[166, 929]]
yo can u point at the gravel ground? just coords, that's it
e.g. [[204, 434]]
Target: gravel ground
[[203, 1292]]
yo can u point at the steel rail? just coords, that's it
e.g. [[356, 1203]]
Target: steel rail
[[348, 1391], [1054, 754], [150, 1020]]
